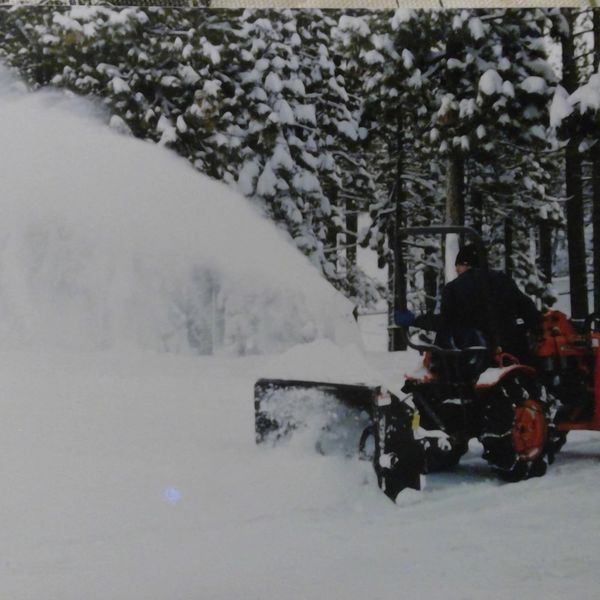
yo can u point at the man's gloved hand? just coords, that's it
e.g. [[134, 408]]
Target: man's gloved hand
[[404, 318]]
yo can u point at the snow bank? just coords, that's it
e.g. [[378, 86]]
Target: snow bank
[[323, 361], [107, 241]]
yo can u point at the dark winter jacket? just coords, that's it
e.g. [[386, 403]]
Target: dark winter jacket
[[487, 301]]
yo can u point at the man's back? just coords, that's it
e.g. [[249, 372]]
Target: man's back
[[490, 302]]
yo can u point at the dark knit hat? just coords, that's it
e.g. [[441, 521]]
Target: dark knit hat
[[468, 255]]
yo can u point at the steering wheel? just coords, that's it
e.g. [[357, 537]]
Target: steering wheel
[[419, 338]]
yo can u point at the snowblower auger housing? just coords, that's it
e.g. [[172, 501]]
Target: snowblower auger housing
[[346, 414]]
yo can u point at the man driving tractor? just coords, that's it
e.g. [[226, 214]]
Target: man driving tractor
[[480, 306]]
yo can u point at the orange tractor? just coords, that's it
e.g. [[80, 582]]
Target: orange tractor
[[521, 414]]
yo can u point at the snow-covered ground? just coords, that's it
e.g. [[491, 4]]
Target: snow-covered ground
[[130, 472], [137, 477]]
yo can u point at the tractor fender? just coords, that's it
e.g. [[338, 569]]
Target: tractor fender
[[492, 376]]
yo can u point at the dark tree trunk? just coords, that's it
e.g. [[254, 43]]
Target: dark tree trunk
[[508, 246], [477, 203], [332, 231], [396, 339], [575, 231], [455, 194], [575, 228], [545, 230], [596, 176], [596, 222], [596, 22], [351, 233], [455, 175], [430, 281]]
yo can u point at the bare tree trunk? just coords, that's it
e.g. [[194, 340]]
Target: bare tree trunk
[[477, 203], [545, 230], [596, 222], [332, 231], [455, 174], [455, 210], [351, 233], [430, 283], [575, 232], [575, 227], [396, 340], [455, 195], [596, 176], [508, 246], [596, 23]]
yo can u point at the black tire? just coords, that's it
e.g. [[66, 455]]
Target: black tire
[[555, 443], [516, 428], [556, 439]]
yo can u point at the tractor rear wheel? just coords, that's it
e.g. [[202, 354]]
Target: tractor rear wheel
[[516, 428]]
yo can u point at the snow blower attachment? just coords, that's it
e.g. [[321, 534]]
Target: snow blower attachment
[[427, 430], [359, 419]]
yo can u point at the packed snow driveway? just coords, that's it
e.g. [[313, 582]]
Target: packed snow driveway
[[138, 478]]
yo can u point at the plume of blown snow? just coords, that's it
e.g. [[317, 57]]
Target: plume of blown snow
[[107, 241]]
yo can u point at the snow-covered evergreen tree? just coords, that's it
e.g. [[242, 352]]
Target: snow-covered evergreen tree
[[343, 168], [385, 52], [571, 129], [299, 127], [465, 92], [575, 113], [280, 149], [247, 96], [492, 86]]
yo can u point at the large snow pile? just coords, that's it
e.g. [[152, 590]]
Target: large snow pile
[[95, 256]]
